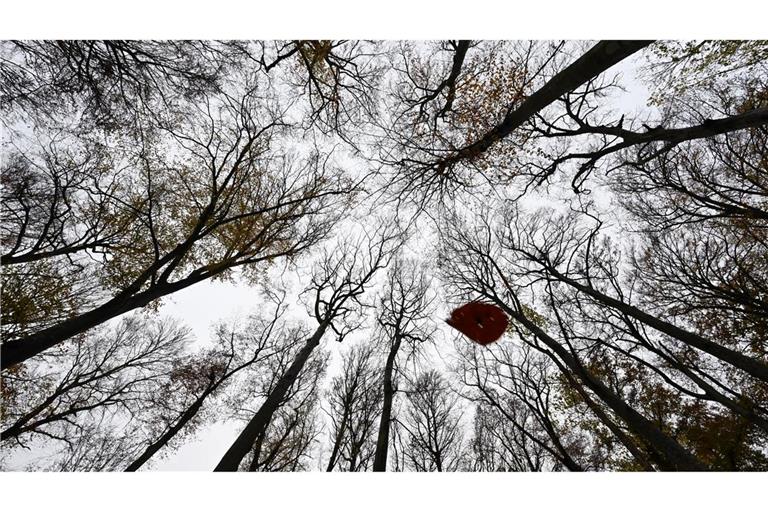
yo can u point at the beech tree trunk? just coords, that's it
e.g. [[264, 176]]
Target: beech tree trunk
[[337, 442], [627, 441], [257, 448], [598, 59], [171, 432], [750, 365], [674, 456], [258, 424], [382, 441], [19, 350]]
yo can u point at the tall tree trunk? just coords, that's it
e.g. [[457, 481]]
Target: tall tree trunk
[[750, 365], [569, 462], [258, 424], [382, 441], [337, 442], [598, 59], [354, 453], [740, 405], [254, 465], [439, 462], [19, 350], [171, 432], [626, 440], [675, 456]]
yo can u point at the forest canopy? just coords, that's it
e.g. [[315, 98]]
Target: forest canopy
[[610, 198]]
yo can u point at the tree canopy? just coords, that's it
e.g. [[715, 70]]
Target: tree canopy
[[610, 197]]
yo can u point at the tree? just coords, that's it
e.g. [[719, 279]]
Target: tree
[[501, 445], [404, 309], [625, 344], [293, 430], [703, 209], [110, 82], [432, 425], [250, 208], [445, 90], [650, 143], [716, 178], [354, 403], [432, 161], [560, 242], [678, 67], [338, 283], [53, 203], [514, 387], [91, 385], [237, 349], [338, 80], [472, 267], [638, 314]]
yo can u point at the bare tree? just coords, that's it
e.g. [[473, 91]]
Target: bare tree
[[604, 138], [354, 402], [248, 207], [112, 82], [404, 309], [616, 341], [334, 82], [476, 268], [338, 283], [638, 316], [561, 242], [238, 349], [431, 161], [702, 208], [93, 383], [502, 445], [293, 430], [517, 385], [420, 76], [431, 423], [53, 203], [679, 67]]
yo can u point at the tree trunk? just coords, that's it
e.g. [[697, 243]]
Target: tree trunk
[[751, 366], [382, 442], [741, 405], [675, 457], [258, 424], [19, 350], [337, 441], [257, 448], [598, 59], [20, 426], [569, 462], [171, 432], [627, 441]]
